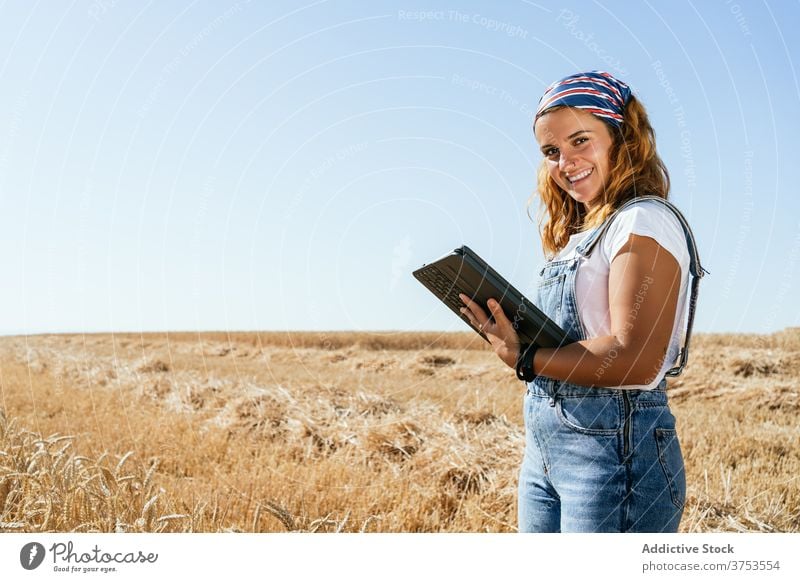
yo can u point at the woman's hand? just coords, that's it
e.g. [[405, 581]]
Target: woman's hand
[[498, 328]]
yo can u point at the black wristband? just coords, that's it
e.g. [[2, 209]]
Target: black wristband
[[525, 362]]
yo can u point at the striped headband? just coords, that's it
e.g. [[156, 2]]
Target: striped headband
[[597, 92]]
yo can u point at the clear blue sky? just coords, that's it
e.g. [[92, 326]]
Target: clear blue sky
[[280, 165]]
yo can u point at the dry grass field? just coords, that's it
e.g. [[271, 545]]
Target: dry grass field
[[392, 432]]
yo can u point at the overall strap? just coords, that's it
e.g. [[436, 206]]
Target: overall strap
[[695, 269]]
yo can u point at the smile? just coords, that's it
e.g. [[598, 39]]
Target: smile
[[579, 176]]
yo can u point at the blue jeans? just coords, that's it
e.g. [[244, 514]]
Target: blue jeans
[[599, 460]]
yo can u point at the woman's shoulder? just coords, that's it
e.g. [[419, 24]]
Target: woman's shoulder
[[648, 218], [647, 213], [647, 206]]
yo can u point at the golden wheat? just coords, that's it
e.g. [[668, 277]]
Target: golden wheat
[[336, 431]]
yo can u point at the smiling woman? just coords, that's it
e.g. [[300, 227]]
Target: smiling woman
[[602, 452], [578, 161]]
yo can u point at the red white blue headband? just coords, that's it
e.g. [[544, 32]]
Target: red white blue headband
[[597, 92]]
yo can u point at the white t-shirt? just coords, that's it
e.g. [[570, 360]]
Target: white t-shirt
[[646, 218]]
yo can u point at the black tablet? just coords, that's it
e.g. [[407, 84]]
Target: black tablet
[[463, 271]]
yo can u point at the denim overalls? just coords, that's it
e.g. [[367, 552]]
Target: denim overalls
[[598, 459]]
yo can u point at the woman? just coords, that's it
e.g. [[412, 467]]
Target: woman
[[601, 453]]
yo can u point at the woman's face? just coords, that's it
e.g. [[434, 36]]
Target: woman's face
[[576, 146]]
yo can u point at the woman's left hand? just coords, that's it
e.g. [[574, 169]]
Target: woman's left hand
[[498, 328]]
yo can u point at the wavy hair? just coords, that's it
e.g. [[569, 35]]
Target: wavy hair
[[635, 170]]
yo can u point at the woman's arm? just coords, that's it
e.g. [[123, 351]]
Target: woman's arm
[[643, 287]]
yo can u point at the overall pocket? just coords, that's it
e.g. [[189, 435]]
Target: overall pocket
[[549, 295], [671, 459], [598, 416], [552, 281]]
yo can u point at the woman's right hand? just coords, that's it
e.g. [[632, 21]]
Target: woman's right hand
[[497, 328]]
